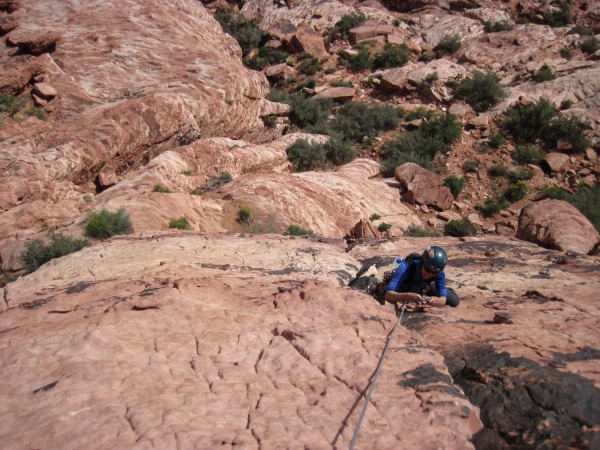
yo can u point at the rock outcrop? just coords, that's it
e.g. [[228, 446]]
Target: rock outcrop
[[422, 186]]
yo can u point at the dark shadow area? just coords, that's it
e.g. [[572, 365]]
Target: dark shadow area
[[525, 405]]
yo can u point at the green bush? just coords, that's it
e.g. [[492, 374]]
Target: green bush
[[7, 103], [516, 192], [471, 165], [590, 45], [455, 184], [305, 111], [383, 227], [460, 228], [492, 27], [181, 223], [161, 188], [374, 216], [568, 128], [419, 112], [306, 156], [37, 253], [345, 24], [497, 170], [566, 104], [214, 182], [270, 120], [518, 174], [432, 77], [392, 56], [245, 215], [104, 224], [246, 32], [448, 45], [528, 155], [481, 90], [544, 74], [525, 123], [339, 151], [559, 18], [585, 199], [492, 207], [310, 66], [566, 53], [355, 120], [417, 231], [361, 61], [266, 56], [580, 30], [296, 230], [497, 140], [444, 127]]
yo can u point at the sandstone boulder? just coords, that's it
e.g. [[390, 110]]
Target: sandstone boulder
[[307, 40], [364, 229], [337, 93], [422, 186], [556, 161], [557, 224]]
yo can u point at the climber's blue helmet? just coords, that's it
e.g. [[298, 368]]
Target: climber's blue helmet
[[434, 259]]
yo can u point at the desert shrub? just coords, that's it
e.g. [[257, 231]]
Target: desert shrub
[[270, 120], [104, 224], [544, 74], [432, 77], [559, 18], [329, 70], [492, 207], [455, 184], [448, 45], [481, 90], [306, 156], [266, 56], [181, 223], [586, 199], [519, 173], [345, 24], [471, 165], [355, 120], [383, 227], [310, 65], [417, 231], [341, 83], [492, 27], [305, 111], [361, 61], [339, 151], [7, 103], [516, 192], [590, 45], [526, 122], [497, 140], [37, 253], [444, 128], [296, 230], [245, 215], [460, 228], [374, 216], [161, 188], [214, 182], [566, 53], [246, 32], [419, 112], [566, 104], [565, 127], [580, 30], [528, 155], [392, 56], [497, 170]]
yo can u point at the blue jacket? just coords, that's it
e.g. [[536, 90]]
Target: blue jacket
[[417, 283]]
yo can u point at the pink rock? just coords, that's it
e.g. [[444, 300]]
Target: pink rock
[[422, 186], [45, 90], [556, 161]]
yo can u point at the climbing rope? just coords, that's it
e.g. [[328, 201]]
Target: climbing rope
[[372, 388]]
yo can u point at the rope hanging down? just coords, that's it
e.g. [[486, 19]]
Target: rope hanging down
[[372, 388]]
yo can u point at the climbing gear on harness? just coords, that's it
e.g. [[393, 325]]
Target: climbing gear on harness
[[374, 380]]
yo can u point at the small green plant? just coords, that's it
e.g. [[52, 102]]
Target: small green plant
[[492, 207], [383, 227], [580, 30], [329, 70], [355, 121], [528, 155], [7, 103], [481, 90], [310, 66], [559, 18], [566, 53], [214, 182], [181, 223], [460, 228], [516, 192], [568, 128], [104, 224], [246, 32], [455, 184], [497, 170], [519, 173], [590, 45], [345, 24], [392, 56], [306, 156], [361, 61], [544, 74], [270, 120], [296, 230], [161, 188], [497, 140], [566, 104], [265, 56], [448, 45], [187, 173], [245, 215], [432, 77], [417, 231], [37, 253], [420, 112], [525, 123], [471, 165], [374, 217], [341, 83], [493, 27]]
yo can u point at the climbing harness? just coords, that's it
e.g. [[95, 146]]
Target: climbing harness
[[372, 388]]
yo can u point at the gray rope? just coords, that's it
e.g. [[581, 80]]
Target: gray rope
[[372, 388]]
